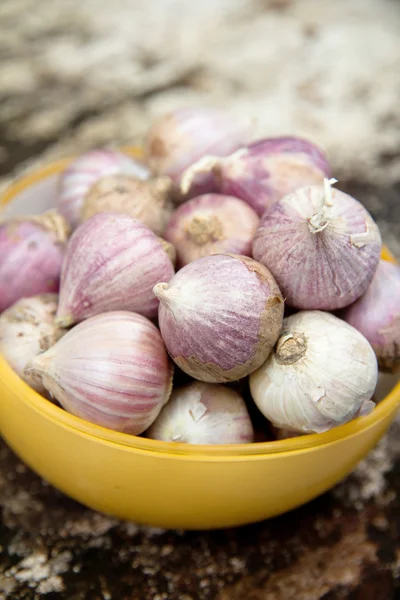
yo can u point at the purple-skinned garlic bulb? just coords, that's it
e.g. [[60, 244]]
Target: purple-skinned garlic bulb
[[203, 413], [377, 316], [211, 224], [27, 328], [31, 255], [112, 263], [147, 201], [220, 317], [263, 172], [322, 246], [178, 139], [85, 171], [112, 370]]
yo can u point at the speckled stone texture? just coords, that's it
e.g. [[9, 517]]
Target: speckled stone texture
[[79, 73]]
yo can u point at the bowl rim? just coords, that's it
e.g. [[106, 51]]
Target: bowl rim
[[59, 416]]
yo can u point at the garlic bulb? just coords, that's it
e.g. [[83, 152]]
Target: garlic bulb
[[203, 413], [27, 328], [211, 224], [264, 171], [377, 316], [321, 245], [180, 138], [147, 201], [220, 317], [85, 170], [32, 252], [111, 370], [321, 373], [112, 263]]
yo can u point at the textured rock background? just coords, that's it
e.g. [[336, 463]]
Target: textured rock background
[[75, 74]]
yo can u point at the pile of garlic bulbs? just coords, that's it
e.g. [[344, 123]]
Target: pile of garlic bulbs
[[218, 291]]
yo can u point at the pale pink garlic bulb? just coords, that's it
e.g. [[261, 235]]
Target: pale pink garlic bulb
[[211, 224], [264, 171], [178, 139], [220, 317], [27, 328], [112, 263], [377, 316], [85, 170], [203, 413], [111, 370], [321, 245], [31, 255], [147, 201]]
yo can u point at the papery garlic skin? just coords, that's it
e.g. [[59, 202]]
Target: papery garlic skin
[[320, 374], [85, 170], [220, 317], [145, 200], [377, 316], [264, 171], [203, 413], [112, 263], [321, 245], [212, 224], [27, 328], [180, 138], [31, 255], [112, 370]]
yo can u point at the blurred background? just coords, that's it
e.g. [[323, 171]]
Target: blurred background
[[79, 73]]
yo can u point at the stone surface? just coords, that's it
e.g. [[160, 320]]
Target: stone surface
[[81, 73]]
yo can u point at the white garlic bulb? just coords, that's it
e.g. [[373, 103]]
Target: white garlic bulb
[[26, 329], [321, 373], [203, 413]]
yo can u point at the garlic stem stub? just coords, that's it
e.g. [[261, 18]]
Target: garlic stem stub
[[377, 316], [112, 263], [85, 170], [147, 201], [264, 171], [322, 373], [27, 328], [111, 370], [322, 246], [32, 252], [220, 317], [212, 224], [180, 138], [203, 413]]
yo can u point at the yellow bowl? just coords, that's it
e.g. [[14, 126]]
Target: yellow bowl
[[169, 484]]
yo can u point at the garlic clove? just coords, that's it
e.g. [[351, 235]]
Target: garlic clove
[[203, 413], [377, 316], [85, 170], [148, 201], [112, 370], [321, 373], [264, 171], [322, 248], [220, 316], [27, 328], [112, 263], [180, 138], [32, 251], [212, 224]]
